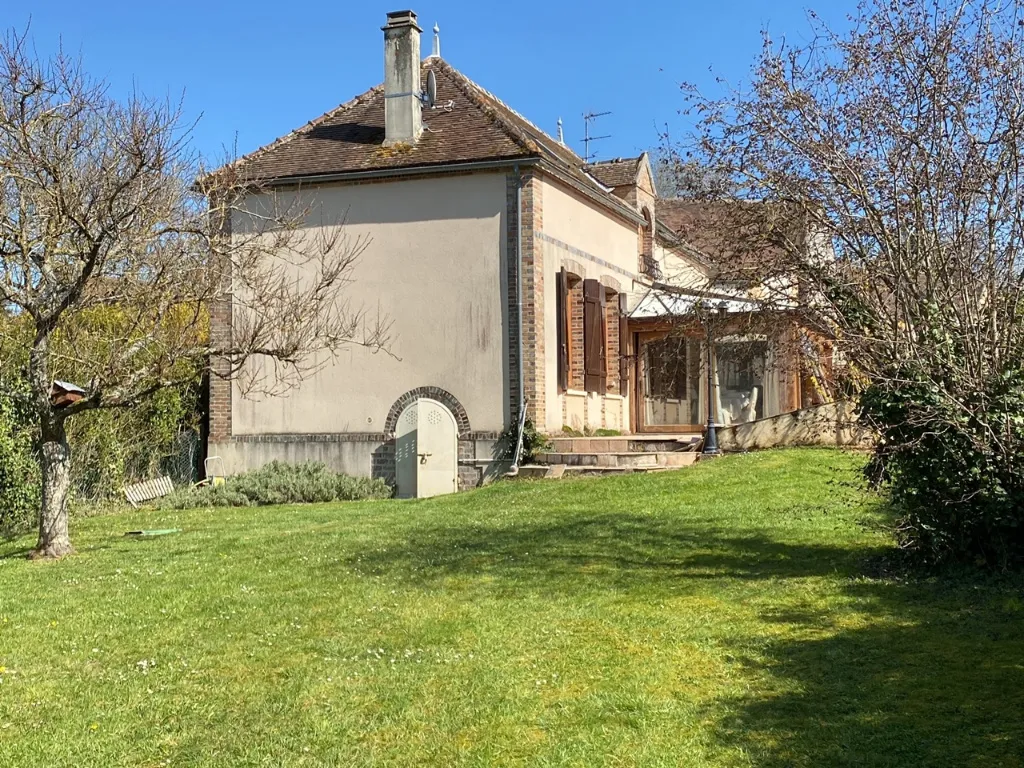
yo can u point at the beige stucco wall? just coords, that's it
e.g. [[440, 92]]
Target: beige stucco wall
[[572, 219], [579, 232], [679, 270], [435, 266]]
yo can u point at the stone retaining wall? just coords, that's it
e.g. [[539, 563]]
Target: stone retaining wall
[[832, 424]]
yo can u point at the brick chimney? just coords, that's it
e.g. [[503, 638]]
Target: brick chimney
[[402, 108]]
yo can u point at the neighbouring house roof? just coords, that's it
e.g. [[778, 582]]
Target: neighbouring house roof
[[671, 239], [468, 125], [733, 236], [689, 221], [616, 173]]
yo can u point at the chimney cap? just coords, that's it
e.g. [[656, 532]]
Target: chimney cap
[[401, 19]]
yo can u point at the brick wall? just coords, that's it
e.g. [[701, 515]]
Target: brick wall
[[220, 386], [534, 367], [576, 349], [220, 337], [511, 236], [535, 281], [645, 203], [611, 322], [646, 245]]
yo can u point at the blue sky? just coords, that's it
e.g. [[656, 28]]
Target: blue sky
[[253, 71]]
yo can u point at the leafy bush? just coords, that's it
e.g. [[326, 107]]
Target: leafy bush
[[112, 448], [203, 497], [280, 483], [534, 442], [588, 431], [109, 448], [19, 470], [955, 469]]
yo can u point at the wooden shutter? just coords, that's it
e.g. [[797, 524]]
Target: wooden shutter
[[624, 356], [594, 365], [562, 307]]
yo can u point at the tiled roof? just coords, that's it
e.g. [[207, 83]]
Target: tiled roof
[[615, 173], [734, 236], [688, 220], [350, 138], [477, 127]]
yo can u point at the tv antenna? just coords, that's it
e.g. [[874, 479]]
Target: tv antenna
[[588, 118], [429, 95]]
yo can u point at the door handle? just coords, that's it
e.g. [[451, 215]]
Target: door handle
[[423, 457]]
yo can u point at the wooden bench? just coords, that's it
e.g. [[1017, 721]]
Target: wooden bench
[[137, 493]]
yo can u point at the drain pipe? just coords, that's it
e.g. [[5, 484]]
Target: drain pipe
[[514, 470]]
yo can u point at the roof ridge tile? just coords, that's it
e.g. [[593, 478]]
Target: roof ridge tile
[[468, 86]]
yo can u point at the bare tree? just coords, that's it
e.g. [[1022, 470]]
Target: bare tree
[[677, 175], [898, 147], [115, 247]]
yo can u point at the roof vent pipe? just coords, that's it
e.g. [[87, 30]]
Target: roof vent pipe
[[403, 121]]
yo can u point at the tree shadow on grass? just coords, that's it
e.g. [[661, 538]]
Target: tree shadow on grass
[[615, 549], [930, 676], [906, 673], [15, 553]]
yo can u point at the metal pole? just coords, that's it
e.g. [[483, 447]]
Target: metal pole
[[711, 436], [586, 139]]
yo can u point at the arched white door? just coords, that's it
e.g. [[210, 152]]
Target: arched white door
[[426, 451]]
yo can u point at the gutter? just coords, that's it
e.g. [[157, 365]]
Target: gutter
[[408, 170], [598, 196], [514, 469]]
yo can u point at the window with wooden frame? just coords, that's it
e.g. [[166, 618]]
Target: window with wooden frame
[[594, 337]]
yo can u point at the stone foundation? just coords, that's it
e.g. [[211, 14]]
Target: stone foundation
[[482, 457]]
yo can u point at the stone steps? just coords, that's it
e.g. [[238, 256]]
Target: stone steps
[[560, 471], [596, 456], [624, 460], [625, 444]]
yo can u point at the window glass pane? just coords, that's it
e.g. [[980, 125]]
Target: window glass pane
[[741, 379], [671, 383]]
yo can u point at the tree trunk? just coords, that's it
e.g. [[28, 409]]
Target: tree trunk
[[56, 465], [55, 457]]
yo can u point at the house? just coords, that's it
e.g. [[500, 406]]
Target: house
[[518, 279]]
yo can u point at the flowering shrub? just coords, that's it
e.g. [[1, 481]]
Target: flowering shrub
[[280, 483]]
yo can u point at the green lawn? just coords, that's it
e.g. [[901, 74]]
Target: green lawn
[[725, 614]]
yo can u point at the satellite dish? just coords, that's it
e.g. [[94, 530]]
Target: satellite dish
[[431, 93]]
